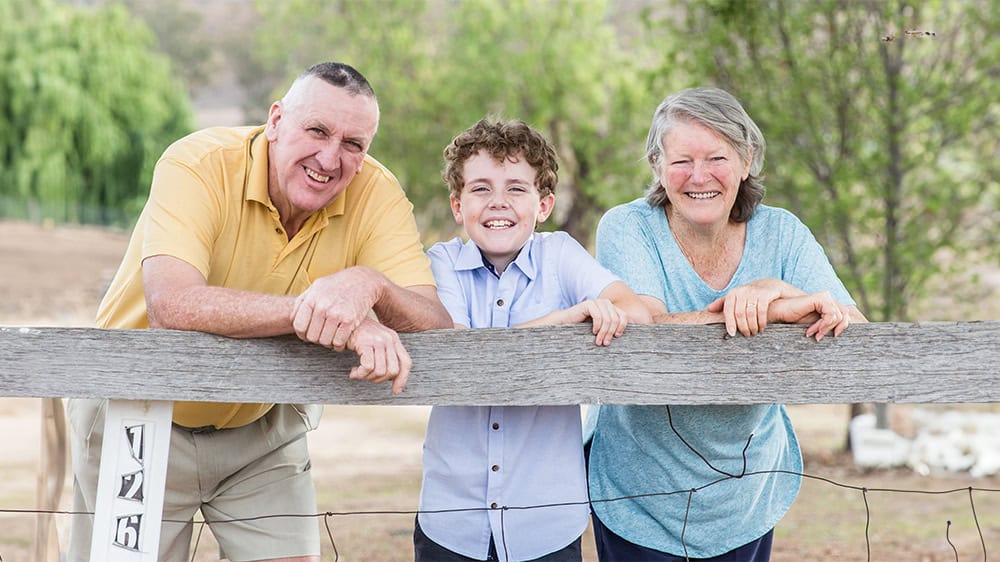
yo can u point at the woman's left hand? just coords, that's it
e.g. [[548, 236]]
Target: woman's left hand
[[745, 307]]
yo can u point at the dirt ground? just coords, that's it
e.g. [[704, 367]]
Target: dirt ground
[[368, 458]]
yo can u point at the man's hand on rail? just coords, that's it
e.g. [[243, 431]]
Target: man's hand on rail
[[333, 307], [381, 354]]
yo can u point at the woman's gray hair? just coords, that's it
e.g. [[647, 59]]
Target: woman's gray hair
[[721, 112]]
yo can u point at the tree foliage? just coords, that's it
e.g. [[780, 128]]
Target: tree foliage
[[881, 123], [87, 109], [887, 149], [557, 65], [561, 67], [392, 47], [181, 35]]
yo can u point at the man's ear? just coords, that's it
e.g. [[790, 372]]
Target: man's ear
[[545, 206], [456, 208], [273, 116]]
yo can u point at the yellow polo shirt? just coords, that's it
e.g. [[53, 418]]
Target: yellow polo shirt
[[209, 206]]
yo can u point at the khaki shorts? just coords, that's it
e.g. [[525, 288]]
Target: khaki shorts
[[260, 469]]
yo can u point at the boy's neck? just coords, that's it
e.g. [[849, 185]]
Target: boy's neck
[[497, 270]]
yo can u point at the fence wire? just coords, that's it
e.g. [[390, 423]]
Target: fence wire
[[327, 516]]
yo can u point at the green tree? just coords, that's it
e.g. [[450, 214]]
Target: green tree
[[881, 122], [391, 42], [181, 35], [87, 108], [558, 65], [563, 68]]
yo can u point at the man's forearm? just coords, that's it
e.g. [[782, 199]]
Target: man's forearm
[[226, 312], [411, 309]]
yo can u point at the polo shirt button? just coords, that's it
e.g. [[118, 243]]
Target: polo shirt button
[[499, 302], [278, 230], [493, 505], [496, 425], [495, 468]]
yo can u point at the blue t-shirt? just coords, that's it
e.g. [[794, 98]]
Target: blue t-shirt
[[480, 458], [635, 450]]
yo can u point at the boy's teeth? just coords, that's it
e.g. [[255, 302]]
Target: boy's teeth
[[316, 176], [499, 224]]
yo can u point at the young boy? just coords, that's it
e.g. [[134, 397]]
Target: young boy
[[479, 460]]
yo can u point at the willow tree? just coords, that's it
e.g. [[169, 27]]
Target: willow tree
[[87, 108], [881, 121]]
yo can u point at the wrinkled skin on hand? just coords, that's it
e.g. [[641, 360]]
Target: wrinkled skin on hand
[[333, 307], [381, 354], [747, 309]]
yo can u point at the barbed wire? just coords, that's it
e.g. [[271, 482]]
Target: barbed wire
[[328, 515], [726, 476]]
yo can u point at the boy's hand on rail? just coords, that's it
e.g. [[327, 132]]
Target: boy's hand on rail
[[608, 320]]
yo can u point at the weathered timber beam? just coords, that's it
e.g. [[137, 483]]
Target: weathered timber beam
[[663, 364]]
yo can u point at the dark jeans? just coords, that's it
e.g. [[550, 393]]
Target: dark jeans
[[612, 548], [426, 550]]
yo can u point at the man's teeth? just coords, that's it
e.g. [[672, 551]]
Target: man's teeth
[[317, 177], [707, 195], [499, 224]]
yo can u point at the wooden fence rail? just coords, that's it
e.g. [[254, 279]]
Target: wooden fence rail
[[144, 371], [664, 364]]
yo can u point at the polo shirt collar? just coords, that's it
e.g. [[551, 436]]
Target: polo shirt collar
[[471, 257], [256, 188]]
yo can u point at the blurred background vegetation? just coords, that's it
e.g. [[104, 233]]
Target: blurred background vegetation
[[881, 116]]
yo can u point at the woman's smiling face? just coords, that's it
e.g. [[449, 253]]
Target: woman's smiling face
[[701, 173]]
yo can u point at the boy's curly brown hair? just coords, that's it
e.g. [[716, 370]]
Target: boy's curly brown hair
[[503, 140]]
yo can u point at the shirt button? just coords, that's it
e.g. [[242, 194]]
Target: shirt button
[[493, 505], [278, 230], [496, 425], [499, 302], [495, 468]]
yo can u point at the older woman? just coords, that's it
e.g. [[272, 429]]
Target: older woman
[[701, 246]]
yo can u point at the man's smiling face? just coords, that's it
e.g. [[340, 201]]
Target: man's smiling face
[[319, 135]]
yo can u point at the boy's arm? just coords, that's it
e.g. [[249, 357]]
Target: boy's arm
[[610, 312], [624, 298]]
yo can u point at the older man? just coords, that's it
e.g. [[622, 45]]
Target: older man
[[289, 227]]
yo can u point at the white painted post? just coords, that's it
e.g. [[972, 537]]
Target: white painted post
[[131, 483]]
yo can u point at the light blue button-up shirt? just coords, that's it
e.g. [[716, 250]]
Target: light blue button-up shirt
[[482, 459]]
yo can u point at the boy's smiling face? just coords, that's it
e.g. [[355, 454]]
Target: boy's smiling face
[[500, 206]]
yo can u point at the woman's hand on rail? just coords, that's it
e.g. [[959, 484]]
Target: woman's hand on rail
[[745, 308]]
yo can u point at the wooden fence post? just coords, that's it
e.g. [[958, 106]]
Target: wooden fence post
[[51, 476]]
